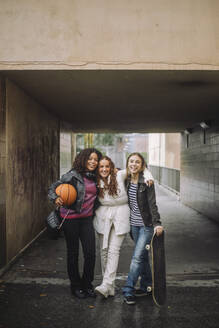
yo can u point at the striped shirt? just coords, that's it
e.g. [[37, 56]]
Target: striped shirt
[[135, 215]]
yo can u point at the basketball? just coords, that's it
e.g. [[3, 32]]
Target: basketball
[[67, 193]]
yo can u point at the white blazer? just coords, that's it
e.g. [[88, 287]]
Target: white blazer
[[114, 210]]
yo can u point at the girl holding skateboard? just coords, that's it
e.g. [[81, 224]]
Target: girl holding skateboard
[[144, 221]]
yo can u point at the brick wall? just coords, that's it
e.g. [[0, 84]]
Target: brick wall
[[199, 183]]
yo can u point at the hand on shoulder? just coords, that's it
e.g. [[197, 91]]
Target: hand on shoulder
[[148, 178]]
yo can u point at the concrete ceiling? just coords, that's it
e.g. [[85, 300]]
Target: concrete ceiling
[[124, 100]]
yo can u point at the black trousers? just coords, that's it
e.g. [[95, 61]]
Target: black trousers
[[75, 230]]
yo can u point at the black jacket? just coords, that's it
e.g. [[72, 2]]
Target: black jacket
[[146, 199], [75, 179]]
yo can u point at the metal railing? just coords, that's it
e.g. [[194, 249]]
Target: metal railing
[[169, 178]]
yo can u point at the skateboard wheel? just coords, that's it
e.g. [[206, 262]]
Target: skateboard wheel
[[149, 289], [148, 247]]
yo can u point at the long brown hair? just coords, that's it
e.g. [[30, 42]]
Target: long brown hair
[[112, 186], [143, 163]]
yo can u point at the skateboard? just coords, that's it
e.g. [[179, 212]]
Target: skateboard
[[158, 269]]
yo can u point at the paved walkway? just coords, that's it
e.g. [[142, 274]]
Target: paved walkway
[[35, 292]]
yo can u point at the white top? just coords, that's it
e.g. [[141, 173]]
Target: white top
[[115, 210]]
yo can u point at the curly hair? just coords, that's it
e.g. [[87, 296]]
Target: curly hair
[[112, 185], [80, 162], [142, 162]]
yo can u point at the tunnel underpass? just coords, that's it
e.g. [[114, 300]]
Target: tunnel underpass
[[101, 66], [124, 100], [37, 105]]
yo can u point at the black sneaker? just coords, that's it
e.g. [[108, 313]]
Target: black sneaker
[[129, 300], [79, 293]]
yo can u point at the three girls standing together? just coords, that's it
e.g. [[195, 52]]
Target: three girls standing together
[[114, 204]]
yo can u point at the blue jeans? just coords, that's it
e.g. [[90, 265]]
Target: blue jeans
[[140, 266]]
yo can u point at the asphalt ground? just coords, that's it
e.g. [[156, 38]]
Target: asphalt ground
[[35, 291]]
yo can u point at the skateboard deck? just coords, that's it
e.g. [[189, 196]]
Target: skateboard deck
[[158, 269]]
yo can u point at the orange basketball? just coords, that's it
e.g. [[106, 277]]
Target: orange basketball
[[67, 193]]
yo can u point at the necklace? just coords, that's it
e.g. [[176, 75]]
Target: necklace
[[134, 180]]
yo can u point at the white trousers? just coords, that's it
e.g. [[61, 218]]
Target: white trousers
[[110, 258]]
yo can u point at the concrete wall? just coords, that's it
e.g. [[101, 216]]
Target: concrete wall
[[2, 172], [164, 150], [200, 171], [32, 136], [156, 147], [172, 146], [140, 143], [164, 159], [109, 34]]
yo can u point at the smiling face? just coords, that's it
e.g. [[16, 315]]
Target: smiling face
[[104, 168], [92, 162], [135, 164]]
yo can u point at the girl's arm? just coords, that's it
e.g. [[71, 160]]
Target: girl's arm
[[148, 177], [158, 229], [66, 178], [51, 192]]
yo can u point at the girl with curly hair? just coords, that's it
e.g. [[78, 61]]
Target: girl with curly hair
[[78, 224], [111, 222]]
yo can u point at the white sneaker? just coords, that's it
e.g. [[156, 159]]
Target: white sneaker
[[111, 291], [102, 290]]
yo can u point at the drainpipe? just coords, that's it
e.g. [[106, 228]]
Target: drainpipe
[[159, 158]]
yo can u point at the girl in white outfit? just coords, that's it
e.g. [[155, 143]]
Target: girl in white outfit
[[111, 221]]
